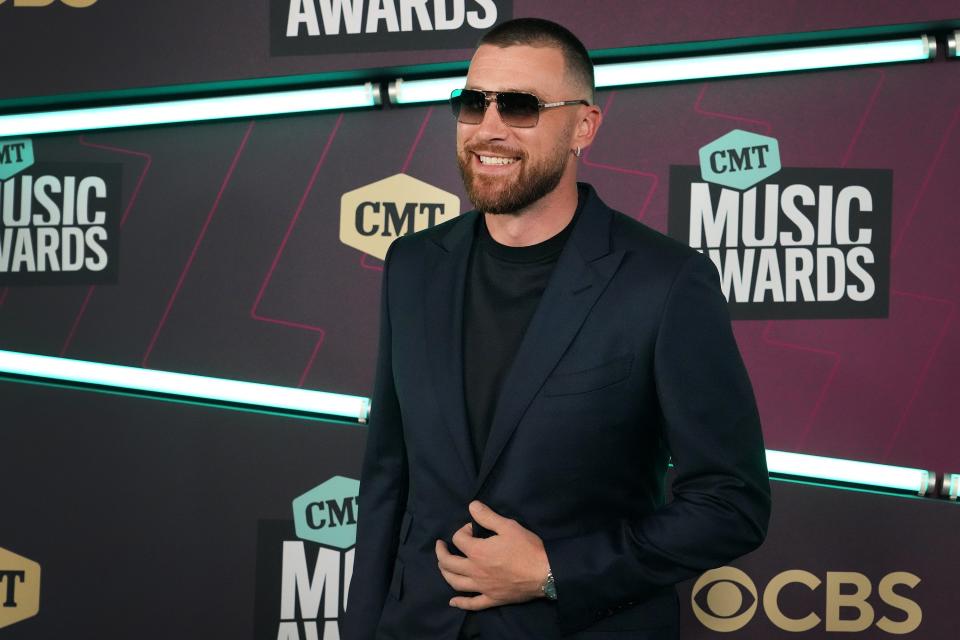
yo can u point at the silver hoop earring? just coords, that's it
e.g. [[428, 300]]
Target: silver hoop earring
[[578, 152]]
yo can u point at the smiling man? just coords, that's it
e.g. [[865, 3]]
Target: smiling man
[[542, 358]]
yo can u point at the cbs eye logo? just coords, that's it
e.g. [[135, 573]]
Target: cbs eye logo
[[76, 4], [724, 605], [726, 599]]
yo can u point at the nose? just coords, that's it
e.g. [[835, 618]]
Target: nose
[[492, 126]]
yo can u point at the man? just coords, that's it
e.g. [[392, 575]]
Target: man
[[541, 360]]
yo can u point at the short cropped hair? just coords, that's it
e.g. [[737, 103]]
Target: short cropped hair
[[537, 32]]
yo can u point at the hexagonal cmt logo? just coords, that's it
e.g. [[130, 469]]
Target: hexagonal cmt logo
[[19, 588], [373, 216], [15, 156], [739, 159], [327, 514]]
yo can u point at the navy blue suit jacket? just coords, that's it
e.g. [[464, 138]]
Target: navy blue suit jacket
[[629, 360]]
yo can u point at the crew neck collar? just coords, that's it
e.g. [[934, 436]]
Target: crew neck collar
[[549, 248]]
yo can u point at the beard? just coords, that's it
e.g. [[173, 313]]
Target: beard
[[495, 194]]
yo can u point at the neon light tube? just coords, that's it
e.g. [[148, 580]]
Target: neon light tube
[[184, 385], [708, 66], [189, 110], [869, 474], [416, 91], [794, 465], [763, 62], [951, 486]]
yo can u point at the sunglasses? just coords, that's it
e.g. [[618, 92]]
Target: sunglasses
[[516, 109]]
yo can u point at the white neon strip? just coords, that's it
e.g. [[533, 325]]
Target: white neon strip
[[185, 385], [848, 471], [762, 62], [436, 90], [191, 110], [357, 407], [709, 66]]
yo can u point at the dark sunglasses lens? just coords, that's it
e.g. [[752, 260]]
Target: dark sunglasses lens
[[468, 105], [518, 109]]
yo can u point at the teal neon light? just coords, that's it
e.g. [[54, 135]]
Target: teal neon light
[[184, 385], [780, 463], [951, 486], [847, 472], [708, 66], [189, 110], [765, 62], [418, 91]]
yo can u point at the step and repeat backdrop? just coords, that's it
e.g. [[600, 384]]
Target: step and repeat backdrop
[[251, 250]]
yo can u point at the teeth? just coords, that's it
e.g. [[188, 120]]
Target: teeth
[[496, 160]]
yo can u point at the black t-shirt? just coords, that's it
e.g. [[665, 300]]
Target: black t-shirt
[[503, 288]]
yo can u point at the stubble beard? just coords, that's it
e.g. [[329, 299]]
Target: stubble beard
[[499, 195]]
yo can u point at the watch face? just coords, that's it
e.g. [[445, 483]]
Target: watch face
[[550, 587]]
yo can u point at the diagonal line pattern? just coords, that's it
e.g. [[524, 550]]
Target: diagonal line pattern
[[406, 165], [416, 141], [148, 161], [821, 396], [254, 313], [367, 265], [934, 351], [926, 182], [196, 245], [654, 178], [766, 125], [864, 117], [765, 337]]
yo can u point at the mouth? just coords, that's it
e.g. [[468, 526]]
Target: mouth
[[496, 160]]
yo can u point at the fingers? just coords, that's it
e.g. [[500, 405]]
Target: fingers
[[488, 518], [459, 582], [454, 569], [464, 539], [450, 562], [474, 603]]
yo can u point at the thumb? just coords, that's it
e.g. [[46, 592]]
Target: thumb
[[487, 517]]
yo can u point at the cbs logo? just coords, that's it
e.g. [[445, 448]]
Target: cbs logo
[[720, 601], [76, 4]]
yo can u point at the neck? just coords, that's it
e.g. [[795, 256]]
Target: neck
[[539, 221]]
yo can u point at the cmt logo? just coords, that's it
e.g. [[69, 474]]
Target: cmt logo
[[19, 588], [15, 156], [314, 578], [373, 216], [719, 601], [327, 514], [76, 4], [739, 159]]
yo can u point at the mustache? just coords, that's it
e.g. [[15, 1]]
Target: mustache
[[494, 150]]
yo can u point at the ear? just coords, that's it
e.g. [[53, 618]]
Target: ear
[[588, 123]]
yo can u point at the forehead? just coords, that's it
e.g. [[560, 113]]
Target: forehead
[[538, 70]]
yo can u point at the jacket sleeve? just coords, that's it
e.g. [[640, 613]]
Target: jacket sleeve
[[721, 493], [383, 490]]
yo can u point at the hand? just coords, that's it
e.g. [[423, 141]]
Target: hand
[[505, 568]]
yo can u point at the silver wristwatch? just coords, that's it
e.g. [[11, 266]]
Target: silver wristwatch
[[549, 587]]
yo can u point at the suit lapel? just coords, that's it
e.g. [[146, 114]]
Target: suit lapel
[[443, 319], [583, 270]]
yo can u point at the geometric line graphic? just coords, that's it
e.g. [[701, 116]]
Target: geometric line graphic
[[254, 310]]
